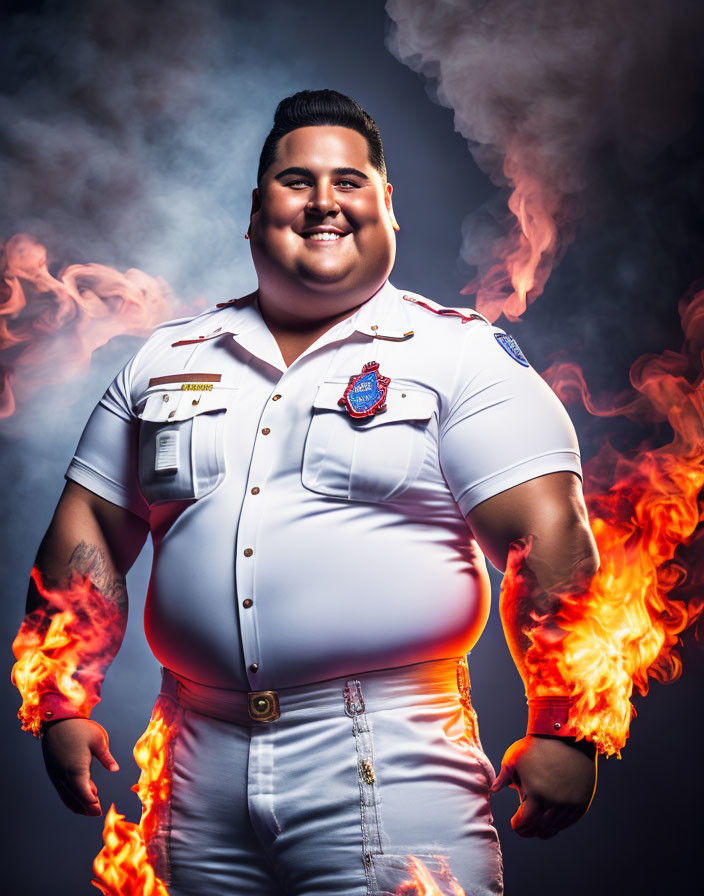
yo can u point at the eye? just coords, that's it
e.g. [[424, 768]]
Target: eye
[[346, 184], [298, 184]]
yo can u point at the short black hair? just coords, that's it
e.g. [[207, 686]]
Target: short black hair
[[321, 107]]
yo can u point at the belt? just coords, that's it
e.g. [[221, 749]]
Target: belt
[[352, 694]]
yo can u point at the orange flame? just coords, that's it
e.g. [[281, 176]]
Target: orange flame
[[61, 648], [645, 512], [530, 249], [50, 326], [125, 865], [422, 882]]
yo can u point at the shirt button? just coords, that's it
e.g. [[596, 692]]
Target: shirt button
[[248, 552], [275, 397], [266, 431], [253, 667], [247, 603], [255, 490]]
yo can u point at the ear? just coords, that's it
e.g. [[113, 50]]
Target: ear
[[389, 206], [256, 206], [256, 202]]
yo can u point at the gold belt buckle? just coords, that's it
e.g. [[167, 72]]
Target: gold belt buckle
[[263, 706]]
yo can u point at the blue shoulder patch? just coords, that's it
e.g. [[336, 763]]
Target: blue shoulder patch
[[510, 346]]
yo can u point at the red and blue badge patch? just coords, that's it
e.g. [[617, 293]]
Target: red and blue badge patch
[[365, 394]]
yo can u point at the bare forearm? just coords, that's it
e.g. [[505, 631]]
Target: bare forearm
[[541, 574], [91, 587], [74, 560], [76, 613], [539, 532]]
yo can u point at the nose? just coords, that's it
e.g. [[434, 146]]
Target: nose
[[323, 200]]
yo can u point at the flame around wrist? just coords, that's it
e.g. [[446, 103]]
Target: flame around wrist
[[62, 649]]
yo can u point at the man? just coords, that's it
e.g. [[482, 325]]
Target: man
[[319, 464]]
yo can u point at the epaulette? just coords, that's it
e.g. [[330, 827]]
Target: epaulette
[[463, 313], [196, 339], [246, 300], [202, 317], [208, 313]]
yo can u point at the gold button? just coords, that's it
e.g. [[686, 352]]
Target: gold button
[[368, 771], [276, 397], [254, 667], [255, 490], [247, 603], [374, 327], [164, 397], [248, 552], [266, 431]]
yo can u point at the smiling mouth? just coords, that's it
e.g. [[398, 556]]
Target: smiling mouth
[[326, 236]]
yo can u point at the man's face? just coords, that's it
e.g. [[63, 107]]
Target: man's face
[[322, 224]]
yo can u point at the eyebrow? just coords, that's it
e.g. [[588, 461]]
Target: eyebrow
[[306, 172]]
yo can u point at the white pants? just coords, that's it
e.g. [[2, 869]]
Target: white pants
[[356, 775]]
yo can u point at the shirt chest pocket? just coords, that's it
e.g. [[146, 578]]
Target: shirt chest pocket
[[373, 459], [181, 443]]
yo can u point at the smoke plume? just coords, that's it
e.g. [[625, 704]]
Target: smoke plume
[[555, 98]]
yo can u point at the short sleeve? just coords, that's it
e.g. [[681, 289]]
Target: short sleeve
[[105, 461], [504, 425]]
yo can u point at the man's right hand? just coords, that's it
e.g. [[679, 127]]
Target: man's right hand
[[68, 746]]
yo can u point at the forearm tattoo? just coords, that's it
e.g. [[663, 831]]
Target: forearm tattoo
[[90, 561], [68, 638]]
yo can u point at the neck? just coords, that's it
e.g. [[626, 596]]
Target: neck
[[279, 321], [293, 334]]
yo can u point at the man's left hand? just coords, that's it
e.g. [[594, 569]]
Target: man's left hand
[[555, 781]]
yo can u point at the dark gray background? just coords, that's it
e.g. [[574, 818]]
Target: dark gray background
[[130, 135]]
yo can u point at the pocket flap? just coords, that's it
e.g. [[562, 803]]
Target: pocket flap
[[401, 404], [166, 405]]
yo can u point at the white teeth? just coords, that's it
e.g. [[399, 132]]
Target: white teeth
[[324, 236]]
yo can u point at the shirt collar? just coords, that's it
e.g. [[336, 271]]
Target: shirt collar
[[383, 316]]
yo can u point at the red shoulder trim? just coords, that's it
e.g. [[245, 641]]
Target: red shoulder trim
[[446, 312]]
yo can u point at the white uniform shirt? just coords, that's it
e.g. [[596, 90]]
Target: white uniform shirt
[[292, 543]]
